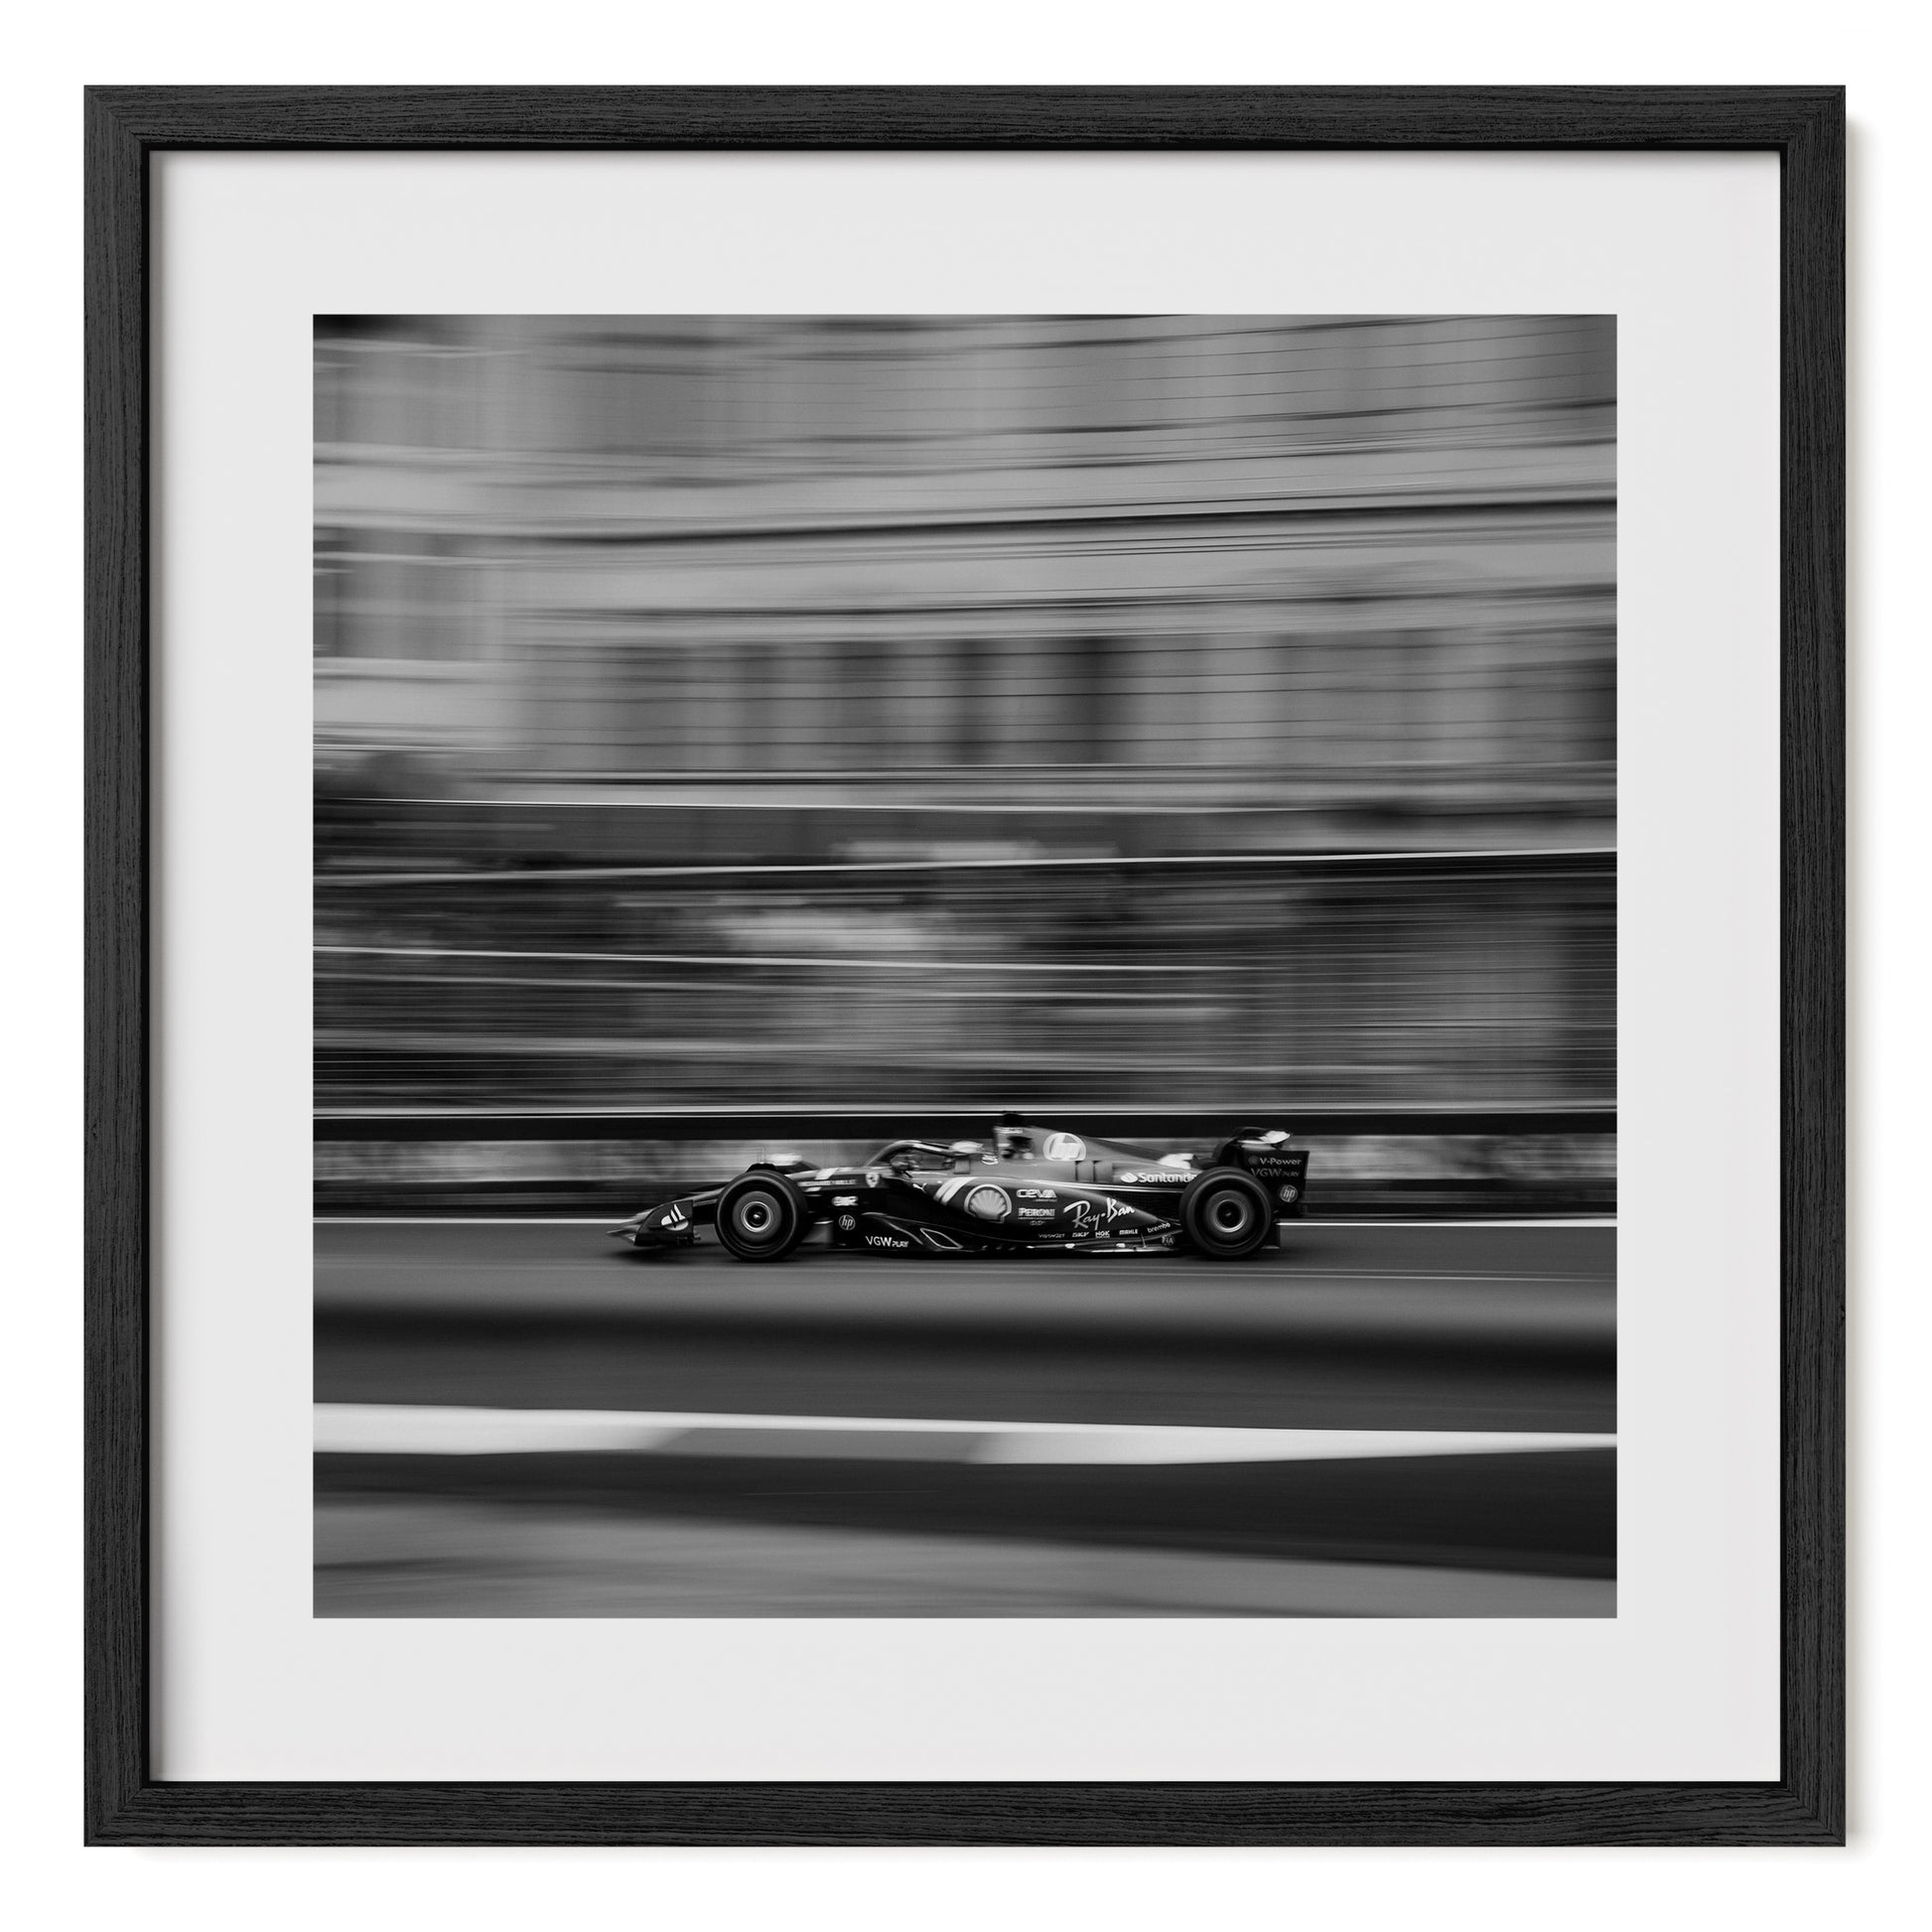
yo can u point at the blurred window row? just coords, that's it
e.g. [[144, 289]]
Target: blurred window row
[[937, 392]]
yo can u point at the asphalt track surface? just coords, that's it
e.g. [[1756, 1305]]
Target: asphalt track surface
[[1348, 1327]]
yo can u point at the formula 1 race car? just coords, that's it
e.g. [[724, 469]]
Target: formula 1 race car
[[1030, 1192]]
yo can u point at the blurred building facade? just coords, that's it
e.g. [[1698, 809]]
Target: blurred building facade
[[1083, 648]]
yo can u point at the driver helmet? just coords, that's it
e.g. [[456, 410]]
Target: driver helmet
[[1013, 1141]]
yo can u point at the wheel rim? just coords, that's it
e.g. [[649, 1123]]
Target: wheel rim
[[1229, 1216], [756, 1217]]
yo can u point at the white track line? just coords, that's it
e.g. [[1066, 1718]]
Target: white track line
[[471, 1221], [395, 1429], [1314, 861], [608, 1220]]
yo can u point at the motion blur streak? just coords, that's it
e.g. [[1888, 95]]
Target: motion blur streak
[[966, 596], [451, 1557], [1509, 1339], [379, 1427]]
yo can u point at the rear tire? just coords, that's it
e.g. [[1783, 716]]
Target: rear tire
[[762, 1217], [1226, 1214]]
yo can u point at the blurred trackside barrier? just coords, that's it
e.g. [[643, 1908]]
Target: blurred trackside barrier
[[1383, 1163], [1359, 980]]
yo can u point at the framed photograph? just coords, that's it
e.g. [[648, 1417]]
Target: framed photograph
[[965, 966]]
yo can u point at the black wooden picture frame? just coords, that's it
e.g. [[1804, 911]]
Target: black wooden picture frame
[[1804, 126]]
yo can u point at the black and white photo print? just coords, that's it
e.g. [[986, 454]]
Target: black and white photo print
[[965, 966]]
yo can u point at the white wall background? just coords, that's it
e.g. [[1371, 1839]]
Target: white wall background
[[1873, 48]]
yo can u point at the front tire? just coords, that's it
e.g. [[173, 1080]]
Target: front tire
[[1226, 1214], [762, 1217]]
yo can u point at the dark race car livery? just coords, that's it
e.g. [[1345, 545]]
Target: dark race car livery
[[1031, 1191]]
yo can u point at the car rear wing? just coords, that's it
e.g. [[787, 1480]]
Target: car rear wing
[[1281, 1169]]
